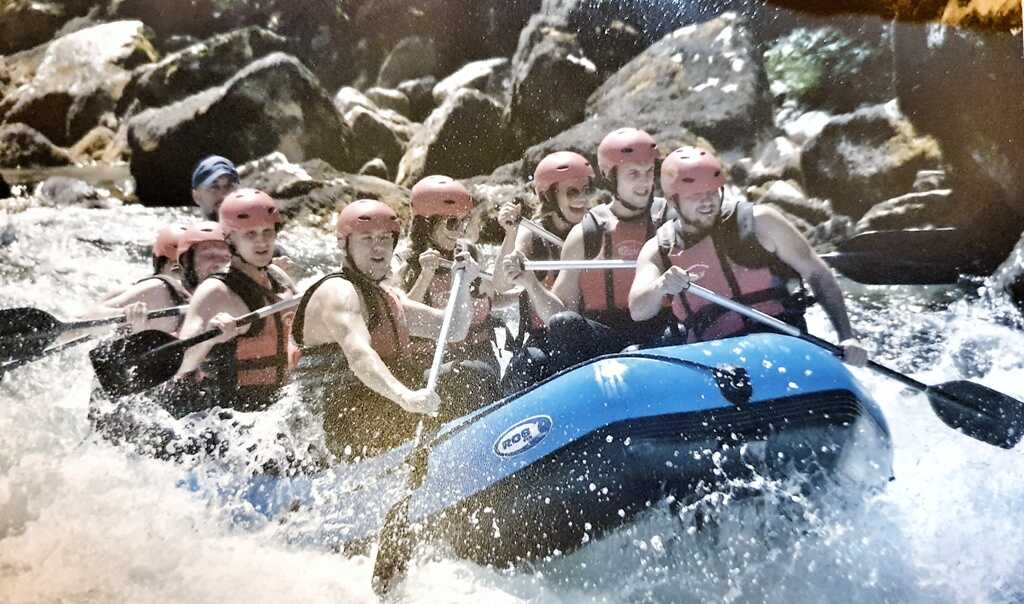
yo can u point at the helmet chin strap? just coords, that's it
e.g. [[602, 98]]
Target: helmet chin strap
[[235, 254], [350, 265]]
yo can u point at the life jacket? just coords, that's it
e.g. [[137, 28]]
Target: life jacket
[[177, 295], [481, 330], [530, 322], [738, 267], [249, 371], [605, 293], [357, 420]]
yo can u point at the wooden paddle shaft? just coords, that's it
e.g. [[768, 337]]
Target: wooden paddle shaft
[[245, 319]]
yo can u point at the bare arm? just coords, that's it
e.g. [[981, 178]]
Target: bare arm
[[516, 239], [778, 236], [211, 299], [647, 292], [342, 311]]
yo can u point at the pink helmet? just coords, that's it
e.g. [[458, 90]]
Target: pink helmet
[[200, 232], [167, 241], [559, 167], [691, 171], [440, 196], [365, 215], [625, 145], [248, 209]]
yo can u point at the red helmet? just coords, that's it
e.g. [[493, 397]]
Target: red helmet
[[365, 215], [167, 242], [625, 145], [248, 209], [691, 171], [559, 167], [200, 232], [440, 196]]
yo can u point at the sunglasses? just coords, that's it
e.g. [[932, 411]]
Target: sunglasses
[[455, 223]]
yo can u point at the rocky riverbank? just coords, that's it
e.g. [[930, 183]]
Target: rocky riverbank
[[845, 122]]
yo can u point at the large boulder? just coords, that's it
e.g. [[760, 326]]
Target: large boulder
[[551, 81], [374, 137], [825, 68], [390, 98], [707, 79], [413, 57], [28, 23], [461, 138], [273, 104], [197, 67], [420, 93], [911, 211], [311, 190], [866, 157], [488, 76], [188, 17], [1001, 15], [966, 89], [81, 77], [23, 147]]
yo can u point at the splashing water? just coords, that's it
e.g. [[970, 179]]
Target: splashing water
[[84, 521]]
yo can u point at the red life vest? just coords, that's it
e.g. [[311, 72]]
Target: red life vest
[[605, 293], [540, 249], [737, 267], [251, 369], [480, 331]]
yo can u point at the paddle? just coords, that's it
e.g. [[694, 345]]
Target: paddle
[[448, 264], [569, 265], [975, 410], [912, 256], [541, 232], [397, 536], [27, 331], [5, 367], [149, 358]]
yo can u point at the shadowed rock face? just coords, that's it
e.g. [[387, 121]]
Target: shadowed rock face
[[1000, 15], [275, 104]]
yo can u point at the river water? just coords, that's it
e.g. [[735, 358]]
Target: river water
[[84, 521]]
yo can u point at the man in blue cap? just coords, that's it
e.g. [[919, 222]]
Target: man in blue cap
[[212, 180]]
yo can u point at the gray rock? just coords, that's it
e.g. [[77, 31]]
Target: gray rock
[[273, 104], [81, 77], [910, 211], [929, 180], [787, 196], [778, 159], [373, 137], [824, 68], [23, 147], [61, 191], [706, 79], [805, 127], [310, 191], [389, 98], [27, 24], [347, 97], [420, 93], [488, 76], [461, 138], [548, 60], [866, 157], [966, 88], [413, 57], [200, 66], [375, 167]]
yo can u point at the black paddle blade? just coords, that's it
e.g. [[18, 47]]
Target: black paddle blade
[[979, 412], [396, 544], [125, 366], [25, 332]]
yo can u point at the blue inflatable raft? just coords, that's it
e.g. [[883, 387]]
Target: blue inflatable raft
[[587, 450]]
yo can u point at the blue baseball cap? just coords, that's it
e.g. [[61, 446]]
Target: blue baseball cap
[[210, 169]]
